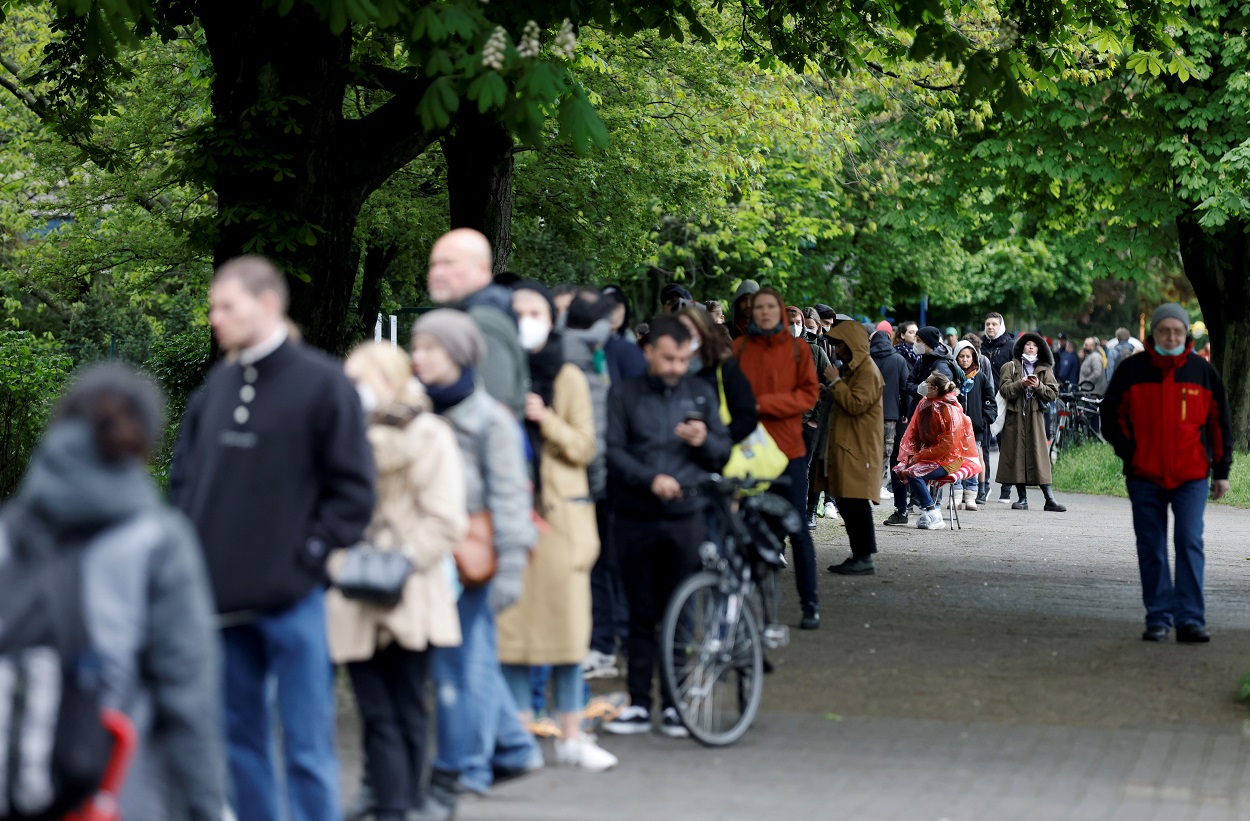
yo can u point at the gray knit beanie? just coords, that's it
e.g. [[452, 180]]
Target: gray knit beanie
[[457, 333], [1169, 310]]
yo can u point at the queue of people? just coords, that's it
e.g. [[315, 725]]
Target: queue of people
[[493, 512]]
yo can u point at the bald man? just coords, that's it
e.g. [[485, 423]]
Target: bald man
[[460, 278]]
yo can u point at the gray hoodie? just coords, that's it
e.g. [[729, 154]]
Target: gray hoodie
[[148, 611]]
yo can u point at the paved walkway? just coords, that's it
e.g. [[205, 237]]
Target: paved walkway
[[992, 673]]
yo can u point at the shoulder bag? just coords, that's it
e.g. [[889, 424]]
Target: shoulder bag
[[373, 574]]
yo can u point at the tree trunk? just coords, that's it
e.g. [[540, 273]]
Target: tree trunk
[[377, 261], [291, 172], [1217, 264], [479, 180]]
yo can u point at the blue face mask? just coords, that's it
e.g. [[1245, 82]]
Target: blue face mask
[[1170, 351]]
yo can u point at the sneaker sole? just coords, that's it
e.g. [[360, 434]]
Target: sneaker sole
[[675, 732], [627, 729], [871, 572], [601, 672], [895, 524]]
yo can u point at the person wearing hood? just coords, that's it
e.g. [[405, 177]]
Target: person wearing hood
[[938, 442], [674, 297], [894, 402], [460, 278], [783, 378], [740, 308], [997, 345], [982, 409], [1028, 384], [1167, 415], [587, 335], [146, 601], [420, 513], [852, 460], [551, 623], [479, 732]]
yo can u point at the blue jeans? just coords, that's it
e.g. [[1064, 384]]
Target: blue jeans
[[478, 728], [567, 678], [289, 647], [919, 490], [1170, 603]]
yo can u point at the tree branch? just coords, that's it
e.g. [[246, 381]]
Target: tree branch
[[880, 69], [386, 140]]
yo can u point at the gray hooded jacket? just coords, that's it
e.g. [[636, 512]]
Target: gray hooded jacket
[[148, 611]]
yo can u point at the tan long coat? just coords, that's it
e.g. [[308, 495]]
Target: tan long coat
[[1023, 452], [852, 468], [421, 493], [551, 624]]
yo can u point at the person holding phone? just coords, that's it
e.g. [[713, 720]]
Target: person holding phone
[[1028, 384]]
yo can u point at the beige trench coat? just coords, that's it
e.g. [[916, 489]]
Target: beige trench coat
[[852, 463], [551, 623], [421, 490]]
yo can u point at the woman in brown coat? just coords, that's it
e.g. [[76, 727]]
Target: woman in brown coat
[[551, 623], [1027, 383], [420, 512], [852, 465]]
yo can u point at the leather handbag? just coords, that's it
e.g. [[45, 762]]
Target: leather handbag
[[373, 574], [476, 560]]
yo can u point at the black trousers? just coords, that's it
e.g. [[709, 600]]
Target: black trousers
[[390, 694], [609, 611], [656, 556], [861, 530]]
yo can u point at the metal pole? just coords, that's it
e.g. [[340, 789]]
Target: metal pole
[[394, 330], [377, 330]]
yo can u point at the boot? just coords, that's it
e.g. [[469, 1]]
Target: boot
[[970, 499], [1023, 503], [443, 794], [1004, 494], [1051, 504], [983, 492]]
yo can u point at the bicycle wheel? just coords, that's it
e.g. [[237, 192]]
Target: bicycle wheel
[[713, 660]]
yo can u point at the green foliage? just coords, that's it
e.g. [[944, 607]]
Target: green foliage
[[179, 363], [32, 371], [1094, 468]]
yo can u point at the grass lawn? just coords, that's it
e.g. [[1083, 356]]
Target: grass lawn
[[1094, 468]]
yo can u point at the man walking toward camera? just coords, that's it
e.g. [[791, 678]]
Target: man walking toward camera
[[1167, 416]]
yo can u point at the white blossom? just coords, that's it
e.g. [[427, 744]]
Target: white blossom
[[529, 45], [493, 51], [566, 41]]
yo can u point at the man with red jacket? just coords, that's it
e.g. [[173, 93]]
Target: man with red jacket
[[1167, 417]]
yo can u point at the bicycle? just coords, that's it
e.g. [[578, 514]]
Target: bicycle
[[1076, 421], [712, 651]]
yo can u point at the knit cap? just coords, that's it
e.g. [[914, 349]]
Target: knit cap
[[1169, 310], [930, 336], [457, 333]]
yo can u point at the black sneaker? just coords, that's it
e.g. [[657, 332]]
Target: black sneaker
[[671, 726], [1155, 632], [855, 567], [630, 721], [1192, 634], [810, 621], [898, 517], [811, 521]]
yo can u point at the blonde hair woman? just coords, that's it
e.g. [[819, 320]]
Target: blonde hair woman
[[420, 512]]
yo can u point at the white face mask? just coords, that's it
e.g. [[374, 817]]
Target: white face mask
[[796, 330], [1029, 357], [532, 332], [368, 398], [922, 390], [919, 347]]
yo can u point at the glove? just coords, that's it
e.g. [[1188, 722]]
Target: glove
[[509, 581]]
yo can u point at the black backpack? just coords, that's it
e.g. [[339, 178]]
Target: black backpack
[[54, 747]]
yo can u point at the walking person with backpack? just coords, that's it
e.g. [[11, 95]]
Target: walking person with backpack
[[274, 470], [783, 378], [87, 545]]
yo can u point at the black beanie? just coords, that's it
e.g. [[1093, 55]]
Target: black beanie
[[930, 336]]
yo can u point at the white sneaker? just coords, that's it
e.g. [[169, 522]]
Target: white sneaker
[[584, 752], [631, 721], [931, 520], [599, 665], [831, 511]]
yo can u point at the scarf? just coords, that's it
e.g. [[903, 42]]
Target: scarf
[[445, 397], [756, 330], [545, 365]]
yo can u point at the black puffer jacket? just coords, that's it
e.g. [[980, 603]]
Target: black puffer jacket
[[998, 350], [642, 415], [938, 359], [894, 370]]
